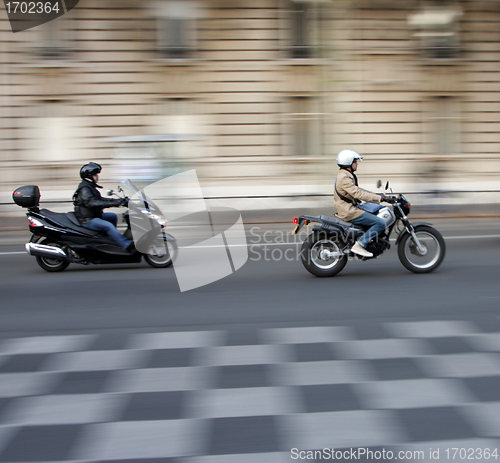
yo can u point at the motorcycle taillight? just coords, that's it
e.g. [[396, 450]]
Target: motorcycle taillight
[[34, 222]]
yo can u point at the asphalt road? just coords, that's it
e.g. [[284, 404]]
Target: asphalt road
[[413, 363], [271, 288]]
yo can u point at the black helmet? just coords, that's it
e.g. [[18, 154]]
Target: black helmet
[[88, 170]]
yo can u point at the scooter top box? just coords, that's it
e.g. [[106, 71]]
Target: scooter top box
[[27, 196]]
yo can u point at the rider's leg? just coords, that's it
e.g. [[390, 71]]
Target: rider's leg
[[375, 226], [110, 230], [110, 217]]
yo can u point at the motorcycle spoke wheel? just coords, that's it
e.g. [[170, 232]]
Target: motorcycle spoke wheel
[[323, 256], [427, 259]]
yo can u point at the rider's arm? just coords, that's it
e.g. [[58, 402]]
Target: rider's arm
[[347, 184], [94, 202]]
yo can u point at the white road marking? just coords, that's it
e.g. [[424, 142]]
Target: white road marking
[[465, 237]]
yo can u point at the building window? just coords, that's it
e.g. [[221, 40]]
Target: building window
[[176, 29], [305, 127], [301, 28], [51, 124], [442, 132], [301, 43], [437, 30], [447, 123], [56, 39]]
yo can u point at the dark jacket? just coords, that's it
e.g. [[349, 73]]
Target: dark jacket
[[89, 203]]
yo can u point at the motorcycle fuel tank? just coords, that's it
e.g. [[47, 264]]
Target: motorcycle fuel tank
[[388, 215]]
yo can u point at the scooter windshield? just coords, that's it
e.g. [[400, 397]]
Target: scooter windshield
[[144, 200], [128, 183]]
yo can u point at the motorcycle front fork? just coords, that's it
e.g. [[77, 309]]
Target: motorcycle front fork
[[409, 228]]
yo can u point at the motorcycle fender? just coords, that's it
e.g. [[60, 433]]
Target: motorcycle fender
[[169, 237], [415, 225], [149, 237], [35, 238]]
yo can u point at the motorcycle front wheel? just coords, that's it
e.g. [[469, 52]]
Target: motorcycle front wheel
[[161, 253], [322, 255], [51, 265], [432, 255]]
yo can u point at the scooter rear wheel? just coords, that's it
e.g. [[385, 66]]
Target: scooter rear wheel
[[51, 265]]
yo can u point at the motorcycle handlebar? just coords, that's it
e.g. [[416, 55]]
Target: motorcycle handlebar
[[389, 199]]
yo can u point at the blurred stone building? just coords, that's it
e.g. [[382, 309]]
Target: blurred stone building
[[255, 93]]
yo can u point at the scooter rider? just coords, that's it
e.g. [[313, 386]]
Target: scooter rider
[[89, 205], [348, 195]]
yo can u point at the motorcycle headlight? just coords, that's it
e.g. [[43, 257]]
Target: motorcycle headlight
[[161, 220], [158, 218]]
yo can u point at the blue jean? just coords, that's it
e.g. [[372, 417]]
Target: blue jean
[[375, 226], [108, 225]]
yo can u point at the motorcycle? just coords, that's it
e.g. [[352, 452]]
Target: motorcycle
[[325, 252], [59, 239]]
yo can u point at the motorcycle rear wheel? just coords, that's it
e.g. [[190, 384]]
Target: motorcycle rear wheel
[[51, 265], [314, 257], [157, 257], [434, 250]]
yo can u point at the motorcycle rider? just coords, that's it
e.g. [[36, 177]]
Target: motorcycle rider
[[348, 195], [89, 205]]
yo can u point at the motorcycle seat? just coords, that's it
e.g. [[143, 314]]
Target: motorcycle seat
[[72, 218], [336, 221], [68, 220]]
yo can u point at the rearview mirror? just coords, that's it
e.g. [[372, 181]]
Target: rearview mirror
[[379, 183], [110, 192]]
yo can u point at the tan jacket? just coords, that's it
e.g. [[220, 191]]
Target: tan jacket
[[346, 186]]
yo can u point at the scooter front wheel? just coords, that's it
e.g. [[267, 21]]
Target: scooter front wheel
[[431, 254], [48, 264], [161, 253]]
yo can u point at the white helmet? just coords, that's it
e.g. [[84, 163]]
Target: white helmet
[[346, 157]]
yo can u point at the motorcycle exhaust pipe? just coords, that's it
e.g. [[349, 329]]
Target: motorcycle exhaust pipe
[[49, 252]]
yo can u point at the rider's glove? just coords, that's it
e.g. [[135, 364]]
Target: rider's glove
[[124, 202], [387, 199]]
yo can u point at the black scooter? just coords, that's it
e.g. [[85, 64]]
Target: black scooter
[[59, 239]]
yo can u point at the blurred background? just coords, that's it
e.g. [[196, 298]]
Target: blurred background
[[258, 97]]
